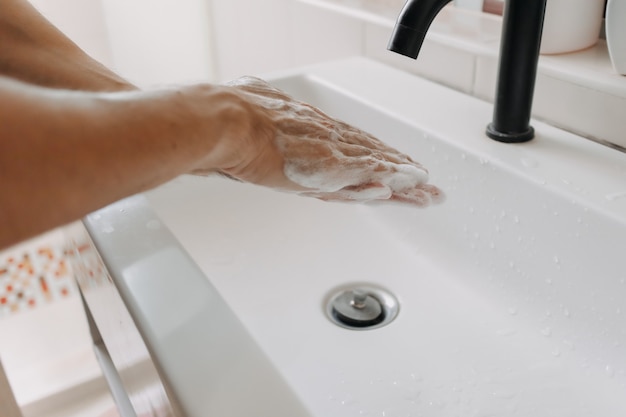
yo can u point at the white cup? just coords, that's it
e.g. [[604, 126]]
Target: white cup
[[571, 25]]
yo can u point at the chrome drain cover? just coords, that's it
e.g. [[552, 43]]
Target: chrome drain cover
[[361, 307]]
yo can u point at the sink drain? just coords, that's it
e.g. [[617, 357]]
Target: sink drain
[[361, 307]]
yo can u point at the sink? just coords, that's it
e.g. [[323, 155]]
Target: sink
[[512, 293]]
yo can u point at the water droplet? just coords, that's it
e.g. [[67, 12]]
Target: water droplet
[[546, 331], [609, 371], [348, 400], [549, 281], [568, 344], [556, 352], [615, 196], [512, 311], [566, 312], [516, 219], [463, 156], [108, 229], [153, 225], [503, 395], [528, 162], [413, 395], [556, 259], [506, 332]]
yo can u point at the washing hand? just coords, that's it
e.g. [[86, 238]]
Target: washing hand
[[292, 146]]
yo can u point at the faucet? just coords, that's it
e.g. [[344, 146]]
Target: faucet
[[519, 54]]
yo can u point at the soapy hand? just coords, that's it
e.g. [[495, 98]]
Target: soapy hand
[[295, 147]]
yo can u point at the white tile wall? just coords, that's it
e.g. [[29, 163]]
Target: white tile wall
[[579, 92], [457, 72], [320, 35], [160, 41], [251, 36]]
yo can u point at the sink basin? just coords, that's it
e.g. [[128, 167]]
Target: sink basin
[[512, 294]]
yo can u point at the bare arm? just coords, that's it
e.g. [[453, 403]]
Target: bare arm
[[34, 51], [65, 153]]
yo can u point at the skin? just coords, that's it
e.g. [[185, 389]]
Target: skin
[[76, 137]]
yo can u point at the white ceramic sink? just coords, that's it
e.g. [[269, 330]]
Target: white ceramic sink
[[512, 293]]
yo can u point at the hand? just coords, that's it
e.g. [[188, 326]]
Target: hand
[[294, 147]]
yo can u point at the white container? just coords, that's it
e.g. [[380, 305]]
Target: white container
[[616, 34], [571, 25]]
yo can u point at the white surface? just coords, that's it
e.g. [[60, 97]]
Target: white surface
[[251, 36], [204, 355], [512, 293], [571, 25], [616, 34], [160, 41]]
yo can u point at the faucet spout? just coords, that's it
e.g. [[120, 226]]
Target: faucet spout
[[412, 25], [522, 26]]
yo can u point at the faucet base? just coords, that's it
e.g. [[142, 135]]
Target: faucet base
[[515, 137]]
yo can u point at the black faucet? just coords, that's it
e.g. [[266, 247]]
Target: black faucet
[[519, 53]]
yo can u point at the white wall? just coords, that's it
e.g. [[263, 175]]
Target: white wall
[[160, 41], [179, 41], [255, 37], [146, 41], [251, 36]]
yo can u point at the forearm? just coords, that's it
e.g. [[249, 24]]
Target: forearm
[[87, 150], [34, 51]]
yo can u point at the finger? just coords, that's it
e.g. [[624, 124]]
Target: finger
[[421, 196], [404, 177], [362, 193], [437, 196]]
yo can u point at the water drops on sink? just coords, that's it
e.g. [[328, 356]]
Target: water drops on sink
[[546, 331], [615, 196], [506, 332], [529, 162], [153, 224], [609, 371]]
